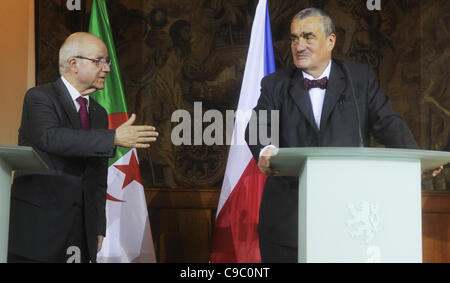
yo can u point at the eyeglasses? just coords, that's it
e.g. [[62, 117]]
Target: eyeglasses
[[97, 61]]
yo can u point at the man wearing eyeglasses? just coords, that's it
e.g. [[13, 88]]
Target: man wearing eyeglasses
[[59, 216]]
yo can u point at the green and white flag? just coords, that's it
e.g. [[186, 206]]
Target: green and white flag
[[128, 235]]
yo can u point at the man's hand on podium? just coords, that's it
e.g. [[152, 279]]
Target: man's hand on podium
[[264, 162], [433, 173]]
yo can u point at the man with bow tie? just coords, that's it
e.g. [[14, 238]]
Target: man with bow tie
[[61, 213], [316, 99]]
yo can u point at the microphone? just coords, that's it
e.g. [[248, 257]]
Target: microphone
[[352, 89]]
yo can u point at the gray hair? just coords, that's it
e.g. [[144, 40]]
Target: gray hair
[[327, 23], [69, 49], [74, 45]]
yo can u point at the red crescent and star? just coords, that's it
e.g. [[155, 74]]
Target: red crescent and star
[[132, 173]]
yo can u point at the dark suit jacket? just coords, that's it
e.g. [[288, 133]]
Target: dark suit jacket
[[284, 91], [43, 205]]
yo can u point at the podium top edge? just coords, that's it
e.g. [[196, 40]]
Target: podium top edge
[[361, 151], [15, 148], [21, 158], [289, 160]]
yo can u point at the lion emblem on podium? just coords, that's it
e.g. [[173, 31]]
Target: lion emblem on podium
[[365, 220]]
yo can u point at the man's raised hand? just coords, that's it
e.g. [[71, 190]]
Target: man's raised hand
[[135, 136]]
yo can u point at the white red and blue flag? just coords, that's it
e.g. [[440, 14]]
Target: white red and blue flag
[[235, 236]]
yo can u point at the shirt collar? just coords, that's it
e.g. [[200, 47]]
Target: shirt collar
[[326, 73], [74, 93]]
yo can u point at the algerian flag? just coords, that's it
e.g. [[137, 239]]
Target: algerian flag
[[128, 236]]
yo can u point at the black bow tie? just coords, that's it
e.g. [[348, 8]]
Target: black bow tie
[[322, 83]]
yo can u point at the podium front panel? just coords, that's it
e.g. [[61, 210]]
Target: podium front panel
[[20, 158], [360, 210], [5, 195]]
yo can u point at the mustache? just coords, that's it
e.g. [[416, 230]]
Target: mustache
[[303, 52]]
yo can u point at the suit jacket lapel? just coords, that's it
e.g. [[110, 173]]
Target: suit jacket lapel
[[97, 121], [300, 96], [334, 93], [66, 101]]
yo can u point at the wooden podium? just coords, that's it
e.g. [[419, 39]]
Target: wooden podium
[[358, 204], [17, 158]]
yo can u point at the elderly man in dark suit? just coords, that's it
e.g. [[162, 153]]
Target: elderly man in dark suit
[[316, 100], [61, 213]]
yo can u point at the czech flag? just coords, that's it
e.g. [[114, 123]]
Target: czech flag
[[235, 236]]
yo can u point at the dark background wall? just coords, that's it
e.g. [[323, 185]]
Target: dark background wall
[[174, 52]]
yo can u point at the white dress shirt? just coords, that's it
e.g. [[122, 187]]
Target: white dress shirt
[[74, 93], [316, 95]]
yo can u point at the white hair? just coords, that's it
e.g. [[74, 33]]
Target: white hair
[[69, 49], [75, 45]]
